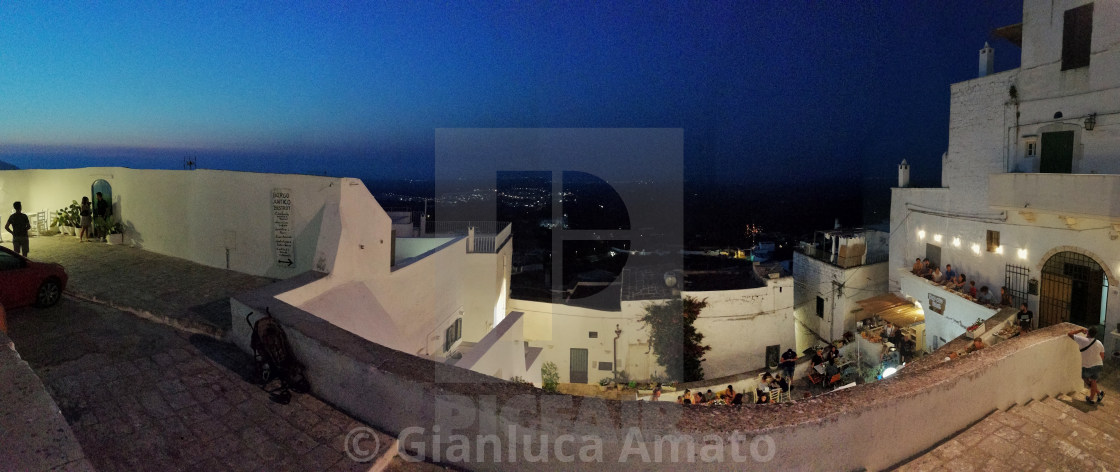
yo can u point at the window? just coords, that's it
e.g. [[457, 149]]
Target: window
[[453, 333], [1077, 34], [606, 366], [9, 262], [993, 240], [820, 307], [1031, 148], [593, 334]]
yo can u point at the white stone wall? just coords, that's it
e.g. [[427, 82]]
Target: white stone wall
[[197, 215], [980, 117], [817, 278], [737, 324]]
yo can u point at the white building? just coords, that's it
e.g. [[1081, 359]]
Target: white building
[[832, 273], [1030, 181]]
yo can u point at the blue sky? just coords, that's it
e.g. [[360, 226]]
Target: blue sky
[[763, 90]]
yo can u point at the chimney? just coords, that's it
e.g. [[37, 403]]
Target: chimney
[[987, 55], [837, 224], [903, 174]]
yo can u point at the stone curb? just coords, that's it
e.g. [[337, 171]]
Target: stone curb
[[186, 325]]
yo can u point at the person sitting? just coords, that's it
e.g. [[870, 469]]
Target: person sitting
[[917, 269], [782, 382], [972, 289], [987, 297], [958, 284], [728, 394], [686, 401], [817, 361], [950, 274], [698, 398], [1025, 316], [762, 393], [686, 397], [680, 399], [738, 400], [926, 269], [937, 276], [831, 353], [1005, 297], [709, 396]]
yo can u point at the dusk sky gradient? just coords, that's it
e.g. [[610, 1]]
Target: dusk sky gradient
[[763, 90]]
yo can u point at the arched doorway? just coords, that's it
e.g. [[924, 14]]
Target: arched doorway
[[100, 185], [1074, 288]]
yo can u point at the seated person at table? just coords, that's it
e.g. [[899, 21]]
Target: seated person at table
[[686, 397], [762, 394], [987, 297], [738, 400], [917, 269], [937, 276], [709, 396], [950, 274], [926, 269], [817, 361], [831, 353], [698, 398], [782, 382], [1005, 297], [958, 284], [972, 288], [728, 394]]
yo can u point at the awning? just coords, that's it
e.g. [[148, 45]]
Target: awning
[[892, 308]]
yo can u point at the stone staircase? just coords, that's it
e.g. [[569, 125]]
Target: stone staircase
[[1055, 433]]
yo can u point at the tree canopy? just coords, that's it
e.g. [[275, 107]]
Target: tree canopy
[[675, 340]]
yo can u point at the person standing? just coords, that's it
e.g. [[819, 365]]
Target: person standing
[[18, 224], [789, 363], [1092, 361], [87, 218], [1024, 316], [101, 210]]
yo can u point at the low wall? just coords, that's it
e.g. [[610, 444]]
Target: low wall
[[452, 415], [33, 433]]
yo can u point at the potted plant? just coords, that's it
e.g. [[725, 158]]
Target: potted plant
[[74, 216], [116, 234], [976, 330], [60, 221], [603, 383]]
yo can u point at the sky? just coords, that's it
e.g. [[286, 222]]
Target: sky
[[765, 91]]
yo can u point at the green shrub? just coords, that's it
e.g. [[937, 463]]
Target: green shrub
[[550, 376]]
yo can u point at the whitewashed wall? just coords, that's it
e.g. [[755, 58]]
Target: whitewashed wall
[[815, 278], [737, 324], [405, 307], [197, 215]]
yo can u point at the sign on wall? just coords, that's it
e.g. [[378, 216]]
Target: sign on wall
[[936, 304], [282, 227]]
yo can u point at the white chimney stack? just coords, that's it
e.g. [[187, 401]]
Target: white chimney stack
[[987, 56], [903, 174]]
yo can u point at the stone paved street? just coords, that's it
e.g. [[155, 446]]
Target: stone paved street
[[143, 393], [175, 291], [1052, 434]]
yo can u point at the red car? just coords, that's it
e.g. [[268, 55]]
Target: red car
[[24, 282]]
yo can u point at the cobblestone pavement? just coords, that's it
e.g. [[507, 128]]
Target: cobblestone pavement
[[1052, 434], [142, 396], [144, 393], [171, 290]]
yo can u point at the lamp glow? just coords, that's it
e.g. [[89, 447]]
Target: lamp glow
[[889, 371], [956, 242], [1022, 254], [937, 238], [921, 234], [976, 249], [999, 249]]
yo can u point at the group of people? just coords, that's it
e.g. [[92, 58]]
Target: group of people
[[19, 225], [99, 208], [958, 282], [725, 397]]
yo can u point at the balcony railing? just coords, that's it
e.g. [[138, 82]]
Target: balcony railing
[[488, 236], [1069, 195], [843, 262]]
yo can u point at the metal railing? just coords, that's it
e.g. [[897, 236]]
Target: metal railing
[[488, 235]]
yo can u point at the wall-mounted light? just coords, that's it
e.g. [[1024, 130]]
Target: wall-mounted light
[[956, 242], [1090, 121], [921, 234], [937, 238], [999, 249], [1022, 253], [976, 249]]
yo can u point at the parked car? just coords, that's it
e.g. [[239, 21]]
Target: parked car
[[25, 282]]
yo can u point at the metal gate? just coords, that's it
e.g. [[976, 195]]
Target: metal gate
[[1073, 289], [1016, 279], [578, 371]]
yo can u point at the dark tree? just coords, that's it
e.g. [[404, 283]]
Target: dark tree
[[674, 338]]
